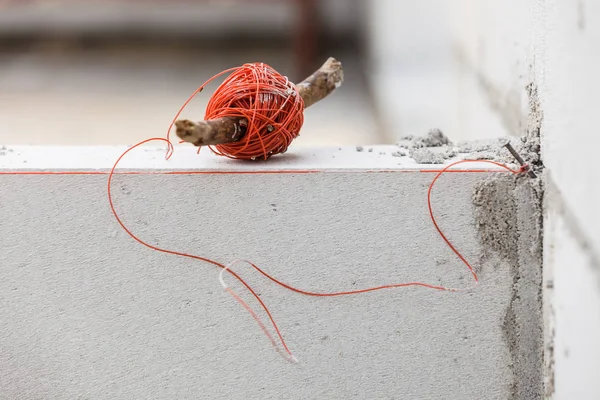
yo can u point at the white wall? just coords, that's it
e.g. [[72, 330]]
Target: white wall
[[504, 46]]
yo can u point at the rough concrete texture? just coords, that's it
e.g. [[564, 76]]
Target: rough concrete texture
[[426, 156], [432, 148], [509, 218], [89, 313], [509, 214], [436, 148]]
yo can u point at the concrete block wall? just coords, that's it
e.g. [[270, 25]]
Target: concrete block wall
[[534, 64], [89, 313]]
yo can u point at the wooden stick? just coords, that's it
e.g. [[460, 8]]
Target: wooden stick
[[231, 129]]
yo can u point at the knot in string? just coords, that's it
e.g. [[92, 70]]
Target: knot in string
[[271, 108]]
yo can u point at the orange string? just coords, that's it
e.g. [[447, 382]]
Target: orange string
[[268, 101], [177, 253], [213, 172]]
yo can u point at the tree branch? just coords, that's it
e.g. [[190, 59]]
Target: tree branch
[[231, 129]]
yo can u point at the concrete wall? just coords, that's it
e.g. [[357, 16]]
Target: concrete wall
[[535, 66], [89, 313]]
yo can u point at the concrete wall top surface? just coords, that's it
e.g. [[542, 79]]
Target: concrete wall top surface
[[152, 156]]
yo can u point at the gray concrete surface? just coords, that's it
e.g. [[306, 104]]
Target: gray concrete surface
[[89, 313]]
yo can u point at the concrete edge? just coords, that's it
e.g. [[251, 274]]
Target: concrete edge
[[151, 156]]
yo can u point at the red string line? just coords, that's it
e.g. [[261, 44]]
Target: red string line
[[289, 356], [177, 253], [294, 289], [257, 172]]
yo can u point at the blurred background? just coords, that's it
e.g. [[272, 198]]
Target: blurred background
[[116, 71]]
